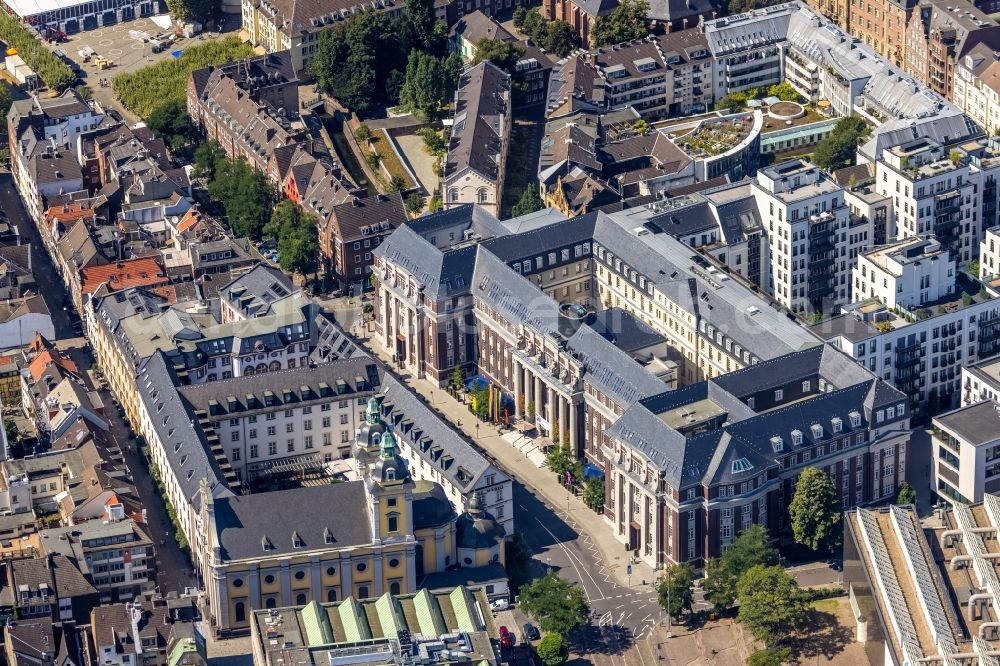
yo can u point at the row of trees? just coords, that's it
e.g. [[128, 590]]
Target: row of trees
[[54, 72], [556, 37], [143, 90], [364, 61], [185, 10]]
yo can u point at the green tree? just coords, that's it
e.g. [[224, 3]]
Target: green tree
[[771, 605], [770, 657], [722, 575], [53, 72], [87, 94], [593, 493], [627, 22], [640, 126], [6, 100], [815, 510], [502, 54], [556, 604], [297, 234], [363, 133], [560, 38], [414, 204], [183, 10], [907, 494], [206, 157], [434, 143], [551, 649], [839, 148], [418, 28], [10, 429], [344, 64], [425, 86], [534, 25], [529, 202], [171, 122], [519, 14], [732, 103], [783, 91], [559, 460], [245, 193], [674, 589], [397, 183], [456, 377], [530, 411]]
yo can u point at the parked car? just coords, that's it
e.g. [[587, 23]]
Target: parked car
[[499, 605], [531, 632], [506, 638]]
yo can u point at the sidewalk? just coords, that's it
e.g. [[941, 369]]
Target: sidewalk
[[541, 481]]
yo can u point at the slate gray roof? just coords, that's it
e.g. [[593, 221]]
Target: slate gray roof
[[322, 383], [612, 370], [444, 273], [253, 292], [243, 523], [480, 130], [476, 25], [623, 329], [176, 425], [977, 424], [537, 241], [469, 216], [413, 421]]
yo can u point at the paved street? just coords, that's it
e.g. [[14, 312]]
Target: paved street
[[173, 567]]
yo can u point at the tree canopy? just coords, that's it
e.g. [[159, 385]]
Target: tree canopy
[[839, 148], [171, 122], [298, 238], [207, 156], [677, 579], [771, 605], [551, 649], [53, 72], [627, 22], [245, 193], [593, 494], [362, 61], [907, 494], [722, 575], [557, 37], [183, 10], [815, 510], [769, 657], [529, 202], [429, 82], [556, 604], [502, 54], [783, 91]]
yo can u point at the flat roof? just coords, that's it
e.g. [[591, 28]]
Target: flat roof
[[977, 424], [692, 413]]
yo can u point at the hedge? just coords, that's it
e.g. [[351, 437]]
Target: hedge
[[145, 89], [54, 72]]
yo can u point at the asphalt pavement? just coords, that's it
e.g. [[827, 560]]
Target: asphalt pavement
[[173, 566]]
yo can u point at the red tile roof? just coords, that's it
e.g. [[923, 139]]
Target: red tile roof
[[42, 361], [68, 214], [143, 272]]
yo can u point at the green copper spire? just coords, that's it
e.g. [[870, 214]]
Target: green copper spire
[[372, 414], [387, 447]]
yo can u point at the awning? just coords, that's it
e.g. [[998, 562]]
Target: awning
[[593, 472]]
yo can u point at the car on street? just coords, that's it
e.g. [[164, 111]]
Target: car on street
[[531, 632]]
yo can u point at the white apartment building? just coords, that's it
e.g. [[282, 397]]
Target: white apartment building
[[921, 350], [805, 217], [966, 453], [908, 273], [981, 381], [989, 254], [932, 193]]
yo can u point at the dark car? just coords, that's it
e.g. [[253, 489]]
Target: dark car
[[531, 632], [506, 638]]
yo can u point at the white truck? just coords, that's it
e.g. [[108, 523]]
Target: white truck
[[21, 72]]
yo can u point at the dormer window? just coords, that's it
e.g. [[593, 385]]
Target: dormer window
[[327, 536], [266, 544], [855, 419], [837, 424], [779, 395], [777, 444], [297, 541], [806, 386], [796, 437], [817, 431]]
